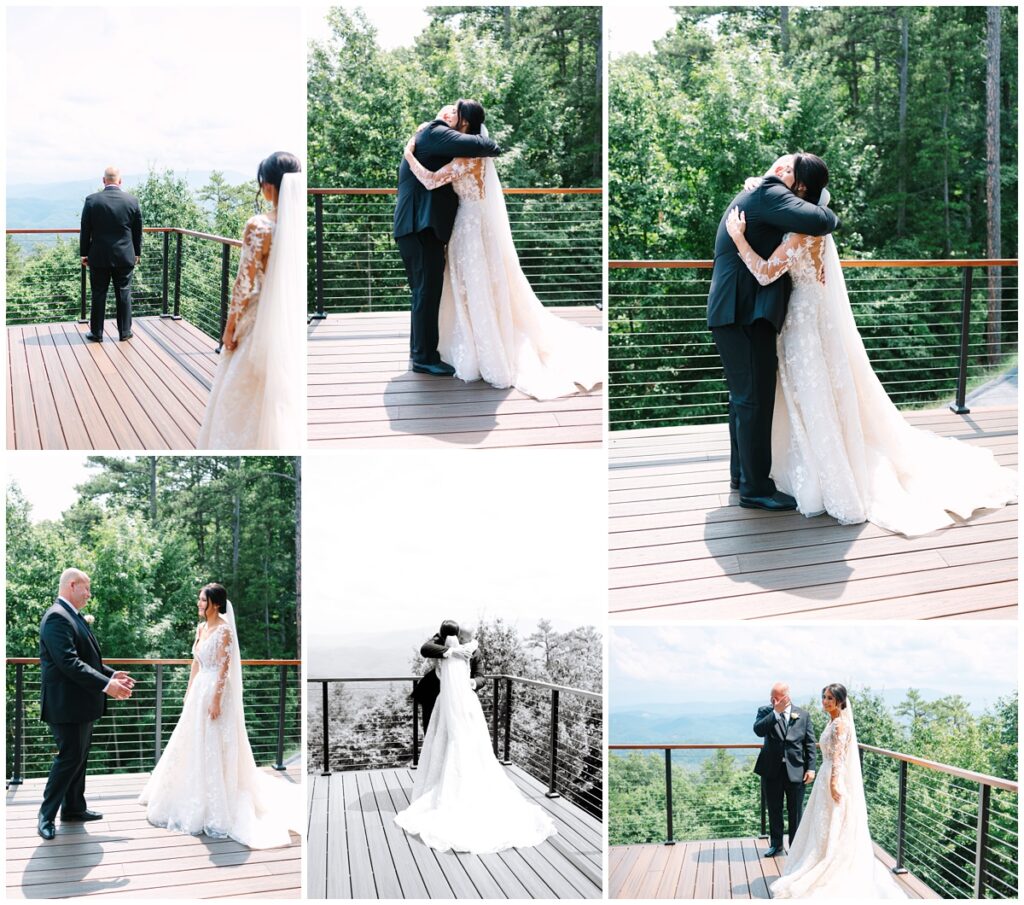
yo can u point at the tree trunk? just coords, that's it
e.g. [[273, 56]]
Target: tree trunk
[[901, 154], [947, 244], [993, 199], [784, 32], [236, 535], [152, 489], [597, 168], [506, 35]]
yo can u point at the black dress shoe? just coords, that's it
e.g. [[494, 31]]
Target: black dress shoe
[[125, 336], [46, 829], [734, 484], [84, 817], [777, 502], [93, 338], [438, 369], [773, 851]]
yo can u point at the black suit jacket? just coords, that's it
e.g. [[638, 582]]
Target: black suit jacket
[[771, 210], [417, 207], [791, 755], [429, 687], [73, 674], [111, 233]]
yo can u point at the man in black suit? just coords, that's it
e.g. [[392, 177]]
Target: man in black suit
[[423, 224], [786, 762], [110, 243], [746, 317], [73, 682], [429, 687]]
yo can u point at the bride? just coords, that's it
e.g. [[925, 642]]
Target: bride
[[463, 799], [832, 855], [207, 780], [256, 401], [839, 445], [491, 323]]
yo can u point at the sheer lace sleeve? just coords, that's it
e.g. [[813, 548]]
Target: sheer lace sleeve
[[780, 261], [253, 263], [460, 166], [840, 751], [224, 654]]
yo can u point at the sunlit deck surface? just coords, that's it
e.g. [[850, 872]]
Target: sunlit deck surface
[[721, 869], [362, 394], [148, 392], [355, 850], [122, 855], [682, 548]]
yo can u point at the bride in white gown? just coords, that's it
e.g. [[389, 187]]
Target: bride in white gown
[[839, 445], [463, 799], [832, 855], [207, 781], [491, 323], [256, 401]]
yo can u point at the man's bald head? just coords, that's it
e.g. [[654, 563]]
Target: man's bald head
[[111, 176], [780, 691], [75, 587], [783, 169]]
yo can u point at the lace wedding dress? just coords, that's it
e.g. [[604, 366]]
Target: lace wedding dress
[[463, 799], [839, 445], [256, 401], [832, 855], [491, 323], [207, 781]]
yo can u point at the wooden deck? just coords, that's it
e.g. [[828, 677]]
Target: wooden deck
[[122, 855], [681, 547], [362, 394], [355, 850], [721, 869], [149, 392]]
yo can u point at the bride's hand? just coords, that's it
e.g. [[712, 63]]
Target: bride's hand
[[214, 709], [837, 796], [410, 146], [751, 183], [736, 223], [230, 343]]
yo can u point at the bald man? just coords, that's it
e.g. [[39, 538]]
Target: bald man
[[74, 684], [786, 762], [110, 243]]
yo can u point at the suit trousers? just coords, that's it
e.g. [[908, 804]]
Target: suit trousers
[[423, 256], [748, 354], [426, 709], [65, 787], [100, 279], [776, 789]]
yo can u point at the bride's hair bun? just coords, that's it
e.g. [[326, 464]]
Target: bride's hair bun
[[216, 595], [838, 692], [272, 169]]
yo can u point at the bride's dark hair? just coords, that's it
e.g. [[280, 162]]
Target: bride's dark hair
[[838, 692], [812, 173], [272, 169], [448, 627], [216, 595], [471, 113]]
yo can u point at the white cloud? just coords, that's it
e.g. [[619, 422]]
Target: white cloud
[[634, 29]]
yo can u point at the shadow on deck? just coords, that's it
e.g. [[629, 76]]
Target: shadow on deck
[[124, 855], [355, 850], [149, 392], [682, 548], [362, 394], [722, 869]]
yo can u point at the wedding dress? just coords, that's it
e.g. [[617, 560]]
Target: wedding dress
[[207, 781], [463, 799], [256, 401], [832, 855], [839, 445], [491, 323]]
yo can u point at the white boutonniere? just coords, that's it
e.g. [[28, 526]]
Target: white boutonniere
[[793, 717], [89, 618]]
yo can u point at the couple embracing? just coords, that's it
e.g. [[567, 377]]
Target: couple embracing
[[474, 313]]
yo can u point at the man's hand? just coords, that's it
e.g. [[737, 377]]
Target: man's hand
[[781, 704], [85, 260], [118, 689], [137, 259], [124, 678], [808, 777]]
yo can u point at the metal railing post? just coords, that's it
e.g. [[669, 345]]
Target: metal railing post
[[327, 748], [959, 406], [166, 275], [318, 207], [494, 716], [764, 812], [415, 727], [981, 850], [158, 721], [82, 319], [282, 692], [225, 274], [901, 821], [508, 723], [19, 723], [177, 277], [551, 793], [670, 840]]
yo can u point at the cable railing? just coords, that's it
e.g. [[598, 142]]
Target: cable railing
[[552, 732], [356, 266], [955, 830], [924, 323], [181, 274], [133, 734]]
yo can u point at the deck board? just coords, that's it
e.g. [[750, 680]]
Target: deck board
[[147, 393], [353, 813], [715, 869], [681, 548], [362, 394], [123, 855]]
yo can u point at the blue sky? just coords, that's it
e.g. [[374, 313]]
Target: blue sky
[[690, 664]]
